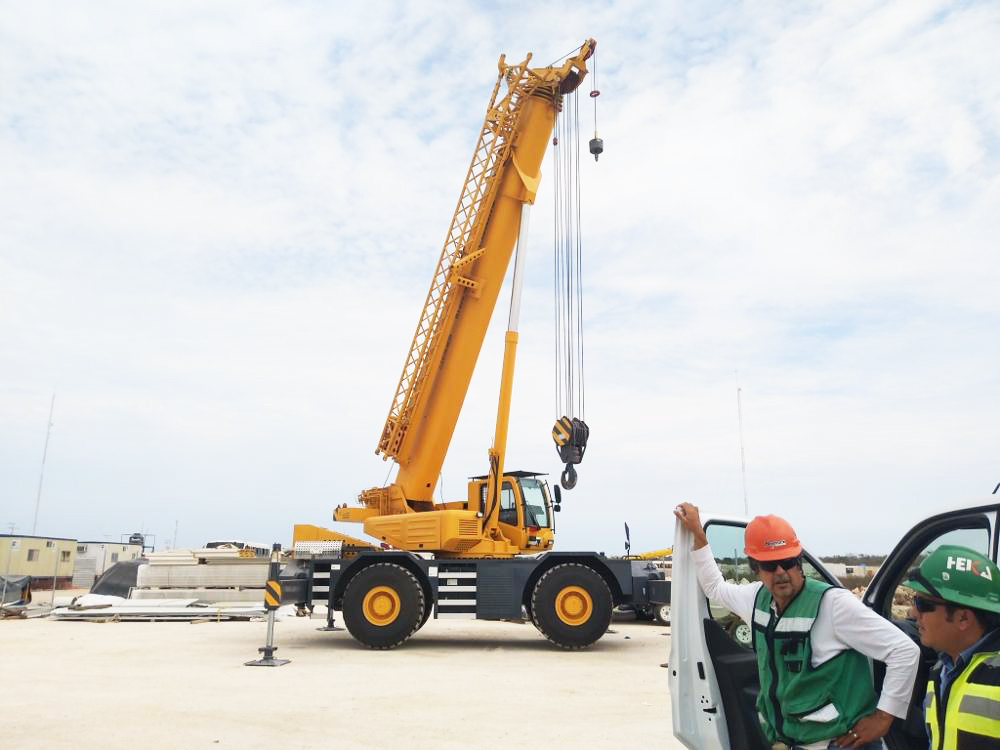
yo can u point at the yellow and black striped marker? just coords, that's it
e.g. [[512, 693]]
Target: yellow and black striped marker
[[272, 595], [561, 431]]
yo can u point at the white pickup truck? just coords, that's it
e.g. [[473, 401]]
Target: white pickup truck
[[713, 672]]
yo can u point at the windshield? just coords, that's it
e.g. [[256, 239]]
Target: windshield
[[536, 511]]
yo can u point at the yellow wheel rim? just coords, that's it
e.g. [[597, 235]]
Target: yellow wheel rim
[[381, 605], [574, 605]]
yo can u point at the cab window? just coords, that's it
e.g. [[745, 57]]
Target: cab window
[[809, 571], [726, 542], [535, 508], [508, 508], [977, 539]]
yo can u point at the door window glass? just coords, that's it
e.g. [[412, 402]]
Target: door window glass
[[508, 509], [977, 539], [727, 545], [535, 507], [809, 571]]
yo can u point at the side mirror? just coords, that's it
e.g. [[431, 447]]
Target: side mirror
[[558, 492]]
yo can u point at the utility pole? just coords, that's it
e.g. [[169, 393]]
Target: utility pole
[[41, 475]]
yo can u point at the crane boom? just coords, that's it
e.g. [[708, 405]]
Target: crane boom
[[503, 174], [502, 179]]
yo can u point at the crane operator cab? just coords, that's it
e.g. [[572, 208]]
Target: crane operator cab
[[525, 513]]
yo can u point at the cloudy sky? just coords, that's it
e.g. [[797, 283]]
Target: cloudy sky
[[219, 222]]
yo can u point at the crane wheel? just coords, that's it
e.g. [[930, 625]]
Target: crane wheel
[[571, 605], [426, 617], [383, 605]]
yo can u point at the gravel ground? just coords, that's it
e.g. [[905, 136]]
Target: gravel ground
[[455, 684]]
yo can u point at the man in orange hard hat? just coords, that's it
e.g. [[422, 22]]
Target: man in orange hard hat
[[812, 641]]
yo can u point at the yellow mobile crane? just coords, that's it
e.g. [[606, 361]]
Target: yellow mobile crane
[[487, 225], [466, 558]]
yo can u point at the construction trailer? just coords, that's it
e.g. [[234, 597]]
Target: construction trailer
[[48, 560], [93, 558]]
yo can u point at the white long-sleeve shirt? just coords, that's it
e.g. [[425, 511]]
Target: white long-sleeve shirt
[[842, 623]]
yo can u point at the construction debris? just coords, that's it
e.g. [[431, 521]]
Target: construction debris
[[95, 607], [201, 555]]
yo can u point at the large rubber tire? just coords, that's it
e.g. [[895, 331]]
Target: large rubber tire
[[383, 605], [427, 615], [571, 605], [661, 613]]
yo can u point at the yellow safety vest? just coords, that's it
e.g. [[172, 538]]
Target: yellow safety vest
[[972, 713]]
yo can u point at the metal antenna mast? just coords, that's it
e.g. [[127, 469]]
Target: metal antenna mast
[[41, 474], [743, 461]]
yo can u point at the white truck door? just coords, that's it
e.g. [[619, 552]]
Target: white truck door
[[695, 702]]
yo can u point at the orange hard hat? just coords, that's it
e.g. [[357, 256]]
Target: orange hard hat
[[771, 538]]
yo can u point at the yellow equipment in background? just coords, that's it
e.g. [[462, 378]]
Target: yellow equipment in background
[[656, 554]]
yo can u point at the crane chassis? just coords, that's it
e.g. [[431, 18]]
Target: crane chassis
[[385, 596]]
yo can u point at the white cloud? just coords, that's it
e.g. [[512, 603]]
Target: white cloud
[[220, 224]]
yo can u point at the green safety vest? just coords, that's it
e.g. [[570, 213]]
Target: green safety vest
[[799, 703], [971, 717]]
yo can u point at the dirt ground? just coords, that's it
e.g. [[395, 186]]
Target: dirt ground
[[455, 684]]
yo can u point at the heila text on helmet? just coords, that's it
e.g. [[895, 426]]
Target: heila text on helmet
[[965, 564]]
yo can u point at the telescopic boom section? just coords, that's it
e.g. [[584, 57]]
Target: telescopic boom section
[[504, 175]]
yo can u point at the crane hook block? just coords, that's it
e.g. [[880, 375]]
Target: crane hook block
[[570, 436], [596, 147]]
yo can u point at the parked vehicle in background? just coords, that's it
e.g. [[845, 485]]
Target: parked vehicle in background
[[651, 593]]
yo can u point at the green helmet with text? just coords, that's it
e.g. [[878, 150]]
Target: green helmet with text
[[960, 576]]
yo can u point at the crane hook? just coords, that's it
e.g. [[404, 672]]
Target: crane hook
[[568, 477]]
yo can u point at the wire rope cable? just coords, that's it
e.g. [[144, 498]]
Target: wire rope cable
[[568, 263]]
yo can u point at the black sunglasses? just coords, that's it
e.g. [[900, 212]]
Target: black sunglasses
[[769, 566], [924, 606]]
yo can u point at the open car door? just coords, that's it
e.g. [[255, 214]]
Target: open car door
[[713, 675], [974, 527], [713, 668]]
